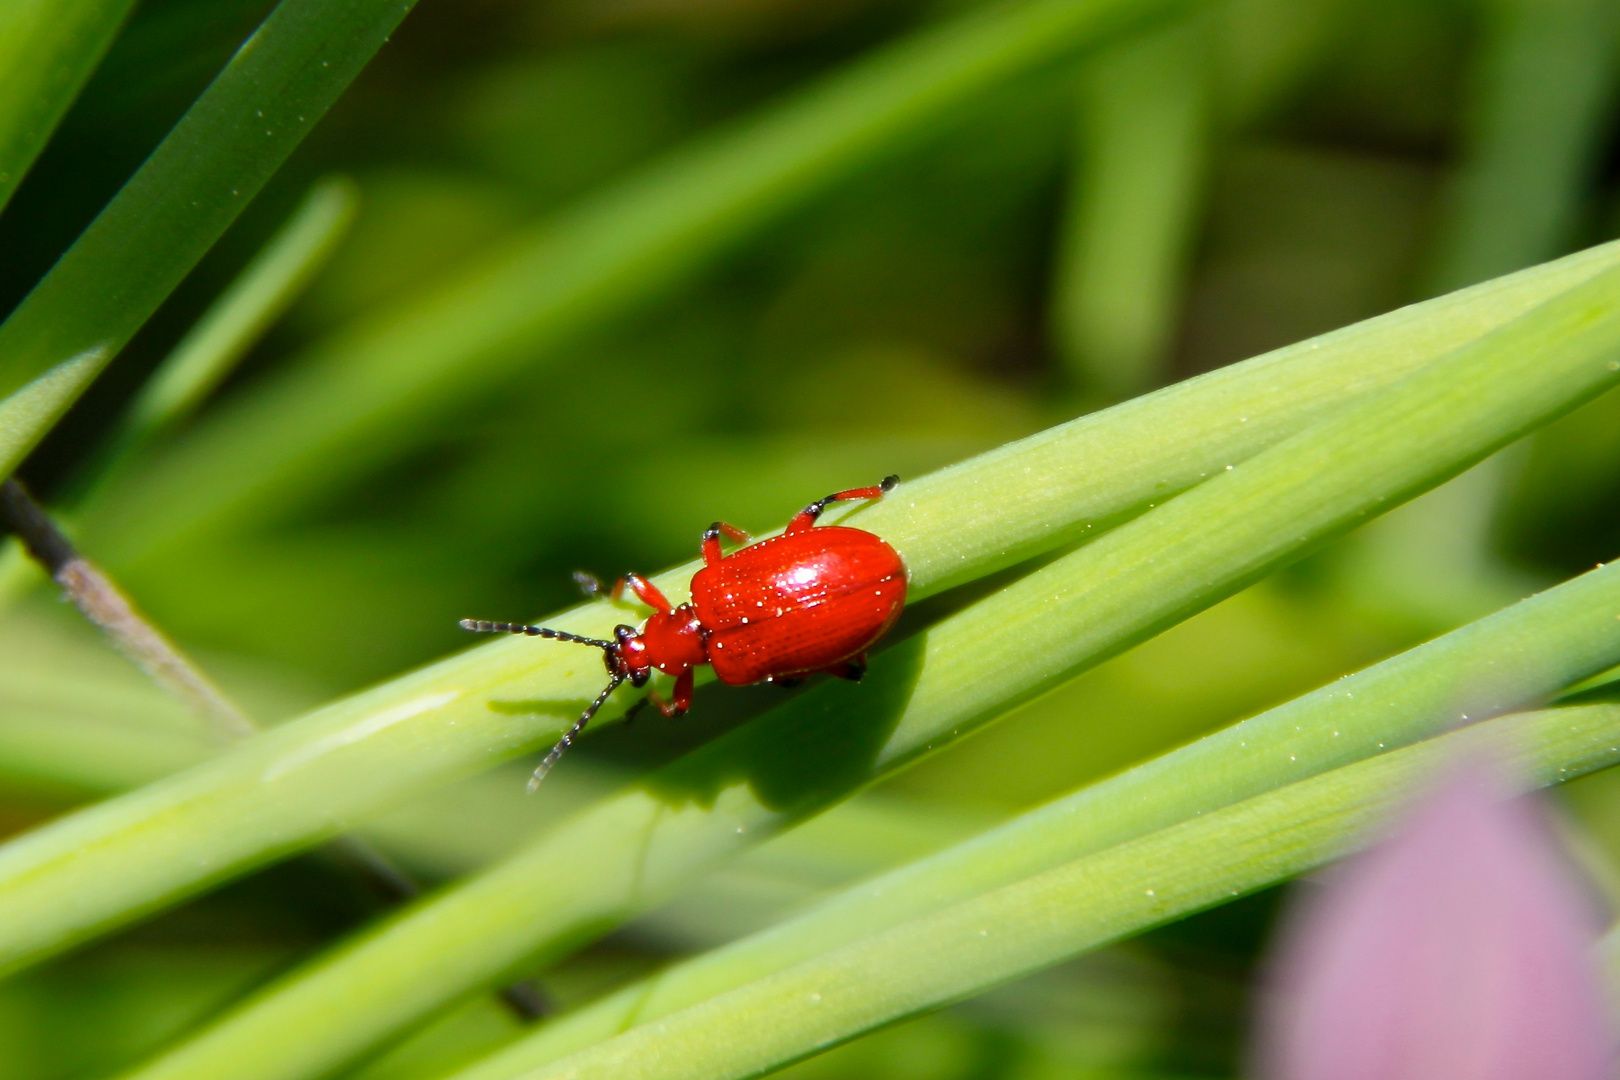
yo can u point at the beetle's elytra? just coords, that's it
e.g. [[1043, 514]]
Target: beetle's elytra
[[812, 599]]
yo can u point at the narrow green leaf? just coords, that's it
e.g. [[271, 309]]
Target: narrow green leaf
[[78, 720], [1140, 156], [1523, 654], [28, 413], [204, 357], [1034, 923], [359, 397], [1543, 100], [637, 848], [48, 48], [171, 211], [242, 313]]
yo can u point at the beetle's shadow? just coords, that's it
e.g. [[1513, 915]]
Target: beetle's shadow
[[811, 750], [642, 739]]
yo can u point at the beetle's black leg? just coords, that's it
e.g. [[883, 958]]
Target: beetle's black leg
[[711, 540], [854, 669], [630, 713], [787, 682]]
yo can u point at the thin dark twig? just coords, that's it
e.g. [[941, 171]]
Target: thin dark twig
[[105, 605]]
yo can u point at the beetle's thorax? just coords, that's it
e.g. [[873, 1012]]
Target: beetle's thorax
[[672, 643]]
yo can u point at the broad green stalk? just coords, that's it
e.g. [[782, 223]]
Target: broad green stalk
[[359, 398], [48, 48], [954, 525], [633, 850], [964, 521], [1034, 494], [177, 205], [972, 946], [1525, 653], [361, 753]]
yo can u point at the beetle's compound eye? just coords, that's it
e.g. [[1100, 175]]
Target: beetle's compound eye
[[629, 652]]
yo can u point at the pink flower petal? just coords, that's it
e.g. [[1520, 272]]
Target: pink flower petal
[[1459, 949]]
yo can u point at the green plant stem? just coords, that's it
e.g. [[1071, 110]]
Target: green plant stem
[[48, 48], [101, 601], [1032, 495], [1034, 923], [177, 205], [290, 787], [1525, 653], [637, 848]]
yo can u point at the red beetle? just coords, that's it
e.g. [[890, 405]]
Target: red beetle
[[812, 599]]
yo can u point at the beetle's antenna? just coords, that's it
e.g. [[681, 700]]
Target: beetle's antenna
[[484, 626], [568, 736]]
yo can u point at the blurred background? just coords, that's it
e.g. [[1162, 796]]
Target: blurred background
[[1217, 181]]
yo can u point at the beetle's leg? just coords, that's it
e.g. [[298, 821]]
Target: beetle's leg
[[805, 518], [787, 682], [682, 693], [645, 591], [853, 669], [711, 540], [682, 696], [588, 583]]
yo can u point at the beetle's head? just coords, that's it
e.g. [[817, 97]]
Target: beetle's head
[[626, 656]]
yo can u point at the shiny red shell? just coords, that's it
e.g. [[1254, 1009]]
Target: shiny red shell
[[797, 603]]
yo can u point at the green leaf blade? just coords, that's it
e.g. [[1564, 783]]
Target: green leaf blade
[[1020, 928], [177, 205], [48, 48]]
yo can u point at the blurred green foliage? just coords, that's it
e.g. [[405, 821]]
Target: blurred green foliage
[[1089, 230]]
